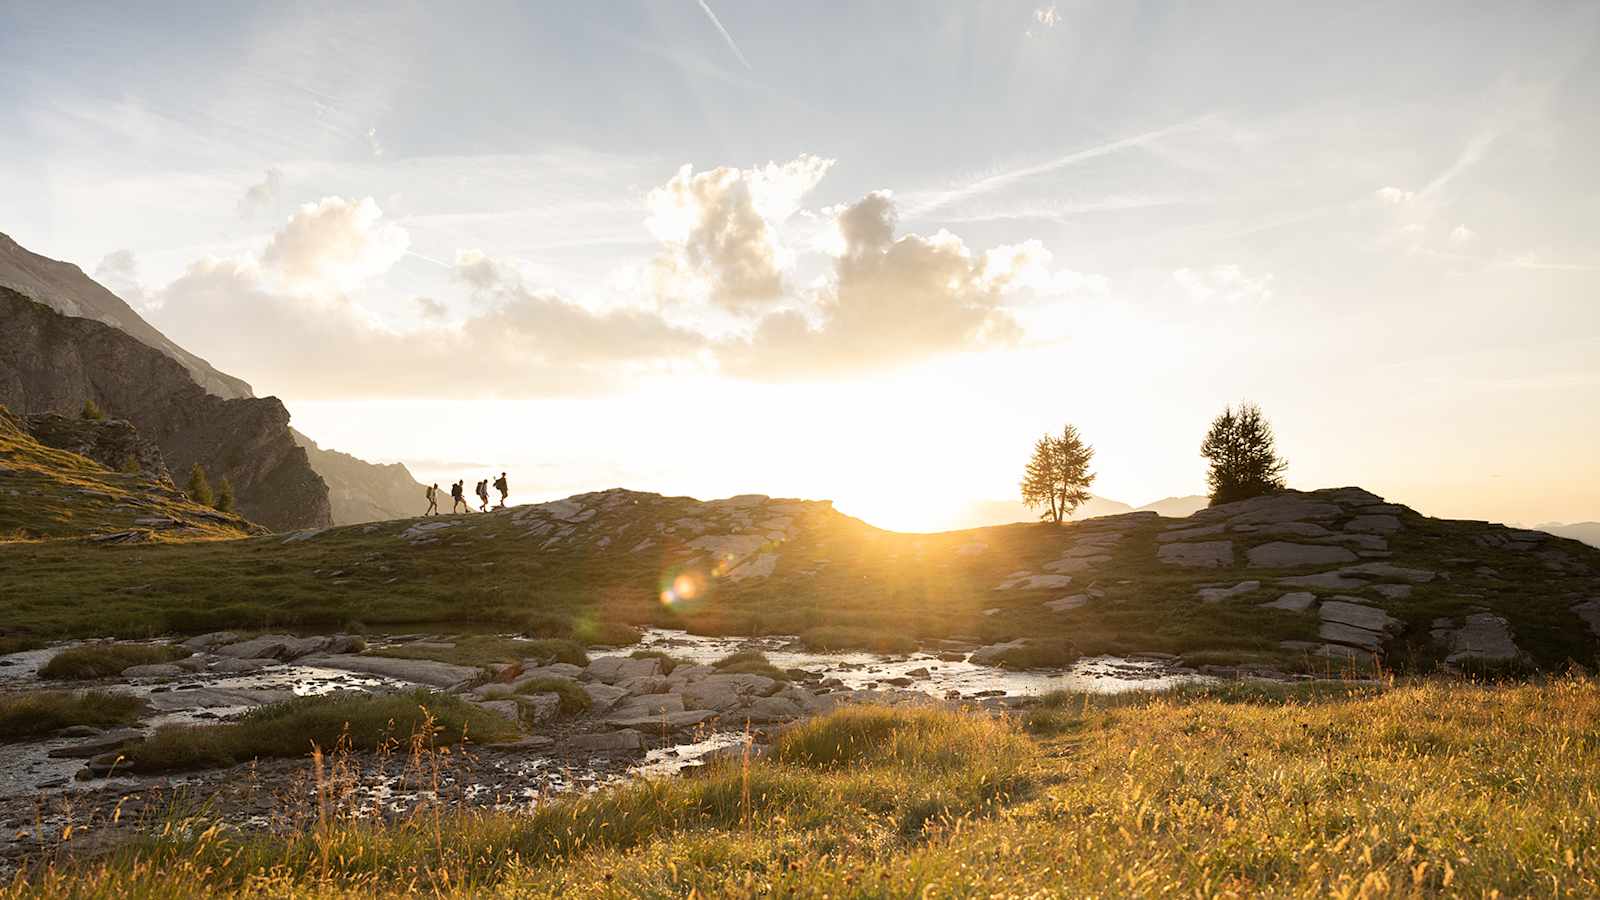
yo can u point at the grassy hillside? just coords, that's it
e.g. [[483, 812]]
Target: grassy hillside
[[754, 566], [49, 494], [1425, 790]]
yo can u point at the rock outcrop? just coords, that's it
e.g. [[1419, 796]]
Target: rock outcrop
[[50, 362], [113, 443]]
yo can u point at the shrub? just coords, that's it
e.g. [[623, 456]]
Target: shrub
[[668, 661], [556, 650], [293, 727], [92, 411], [750, 662], [105, 660], [574, 699], [41, 712], [920, 738], [828, 638]]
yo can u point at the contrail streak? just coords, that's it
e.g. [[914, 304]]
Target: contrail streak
[[725, 35]]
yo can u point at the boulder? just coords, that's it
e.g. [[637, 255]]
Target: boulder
[[539, 707], [203, 642], [1483, 637], [1285, 529], [991, 654], [1393, 591], [214, 698], [669, 721], [614, 669], [1391, 572], [1350, 634], [417, 671], [1589, 612], [624, 740], [274, 646], [602, 697], [1369, 542], [773, 709], [1285, 555], [650, 684], [230, 666], [1189, 534], [554, 670], [1299, 601], [646, 706], [1203, 554], [1329, 581], [1218, 594], [505, 709], [688, 673]]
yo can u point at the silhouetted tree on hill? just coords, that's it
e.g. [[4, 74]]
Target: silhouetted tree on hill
[[1057, 477], [1243, 454], [199, 487], [91, 411]]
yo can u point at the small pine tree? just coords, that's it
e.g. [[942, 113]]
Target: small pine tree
[[1057, 478], [224, 502], [91, 411], [199, 487], [1243, 455]]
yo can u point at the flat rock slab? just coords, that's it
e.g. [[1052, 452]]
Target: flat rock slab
[[614, 669], [98, 744], [1218, 594], [1328, 581], [1346, 612], [1200, 555], [1031, 582], [672, 721], [1391, 572], [624, 740], [1284, 555], [1379, 524], [603, 696], [1071, 601], [1189, 534], [214, 698], [1341, 633], [418, 671], [1393, 591], [1285, 529], [1483, 637], [1589, 612], [1298, 601]]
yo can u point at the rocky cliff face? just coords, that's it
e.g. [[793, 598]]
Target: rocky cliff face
[[113, 443], [50, 362], [65, 288], [361, 491]]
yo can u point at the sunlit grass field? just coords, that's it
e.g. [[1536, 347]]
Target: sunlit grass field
[[1421, 789]]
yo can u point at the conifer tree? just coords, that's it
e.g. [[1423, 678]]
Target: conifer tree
[[1243, 455], [91, 411], [1057, 478], [224, 502], [199, 487]]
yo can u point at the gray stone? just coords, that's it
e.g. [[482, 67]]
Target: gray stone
[[1076, 565], [154, 670], [539, 707], [229, 666], [1289, 506], [1341, 633], [416, 671], [688, 673], [1370, 542], [1393, 591], [1391, 572], [1204, 554], [1379, 524], [1218, 594], [1330, 581], [554, 670], [1285, 529], [98, 744], [602, 696], [1299, 601], [624, 740], [274, 646], [1483, 637], [1284, 555], [206, 641], [773, 709], [990, 655], [646, 706], [505, 709], [1349, 496], [1071, 601], [1188, 534], [614, 669], [1350, 611], [669, 721], [1030, 582], [1589, 612], [214, 698], [650, 684]]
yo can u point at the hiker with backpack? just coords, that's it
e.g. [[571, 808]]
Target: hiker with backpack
[[432, 493], [456, 493], [483, 495], [505, 491]]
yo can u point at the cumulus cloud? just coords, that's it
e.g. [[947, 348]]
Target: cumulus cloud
[[892, 300], [119, 272], [1394, 196], [263, 194], [1227, 284], [523, 343], [719, 231], [1047, 16], [335, 244]]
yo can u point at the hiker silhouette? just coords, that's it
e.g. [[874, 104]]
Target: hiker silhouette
[[483, 495], [456, 492], [432, 493], [501, 486]]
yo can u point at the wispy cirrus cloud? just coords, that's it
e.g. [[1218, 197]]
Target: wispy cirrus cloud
[[725, 35]]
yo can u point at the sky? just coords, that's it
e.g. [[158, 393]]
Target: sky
[[863, 253]]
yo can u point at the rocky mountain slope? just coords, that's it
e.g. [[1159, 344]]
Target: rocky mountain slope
[[70, 478], [360, 491], [1325, 581], [65, 288], [54, 362]]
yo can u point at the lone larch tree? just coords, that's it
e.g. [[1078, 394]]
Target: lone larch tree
[[1243, 455], [199, 486], [1057, 478]]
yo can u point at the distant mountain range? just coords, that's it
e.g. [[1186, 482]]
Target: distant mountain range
[[1588, 532], [983, 513], [69, 339]]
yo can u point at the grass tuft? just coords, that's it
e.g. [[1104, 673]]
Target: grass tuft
[[750, 662], [104, 660], [35, 713], [574, 699]]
